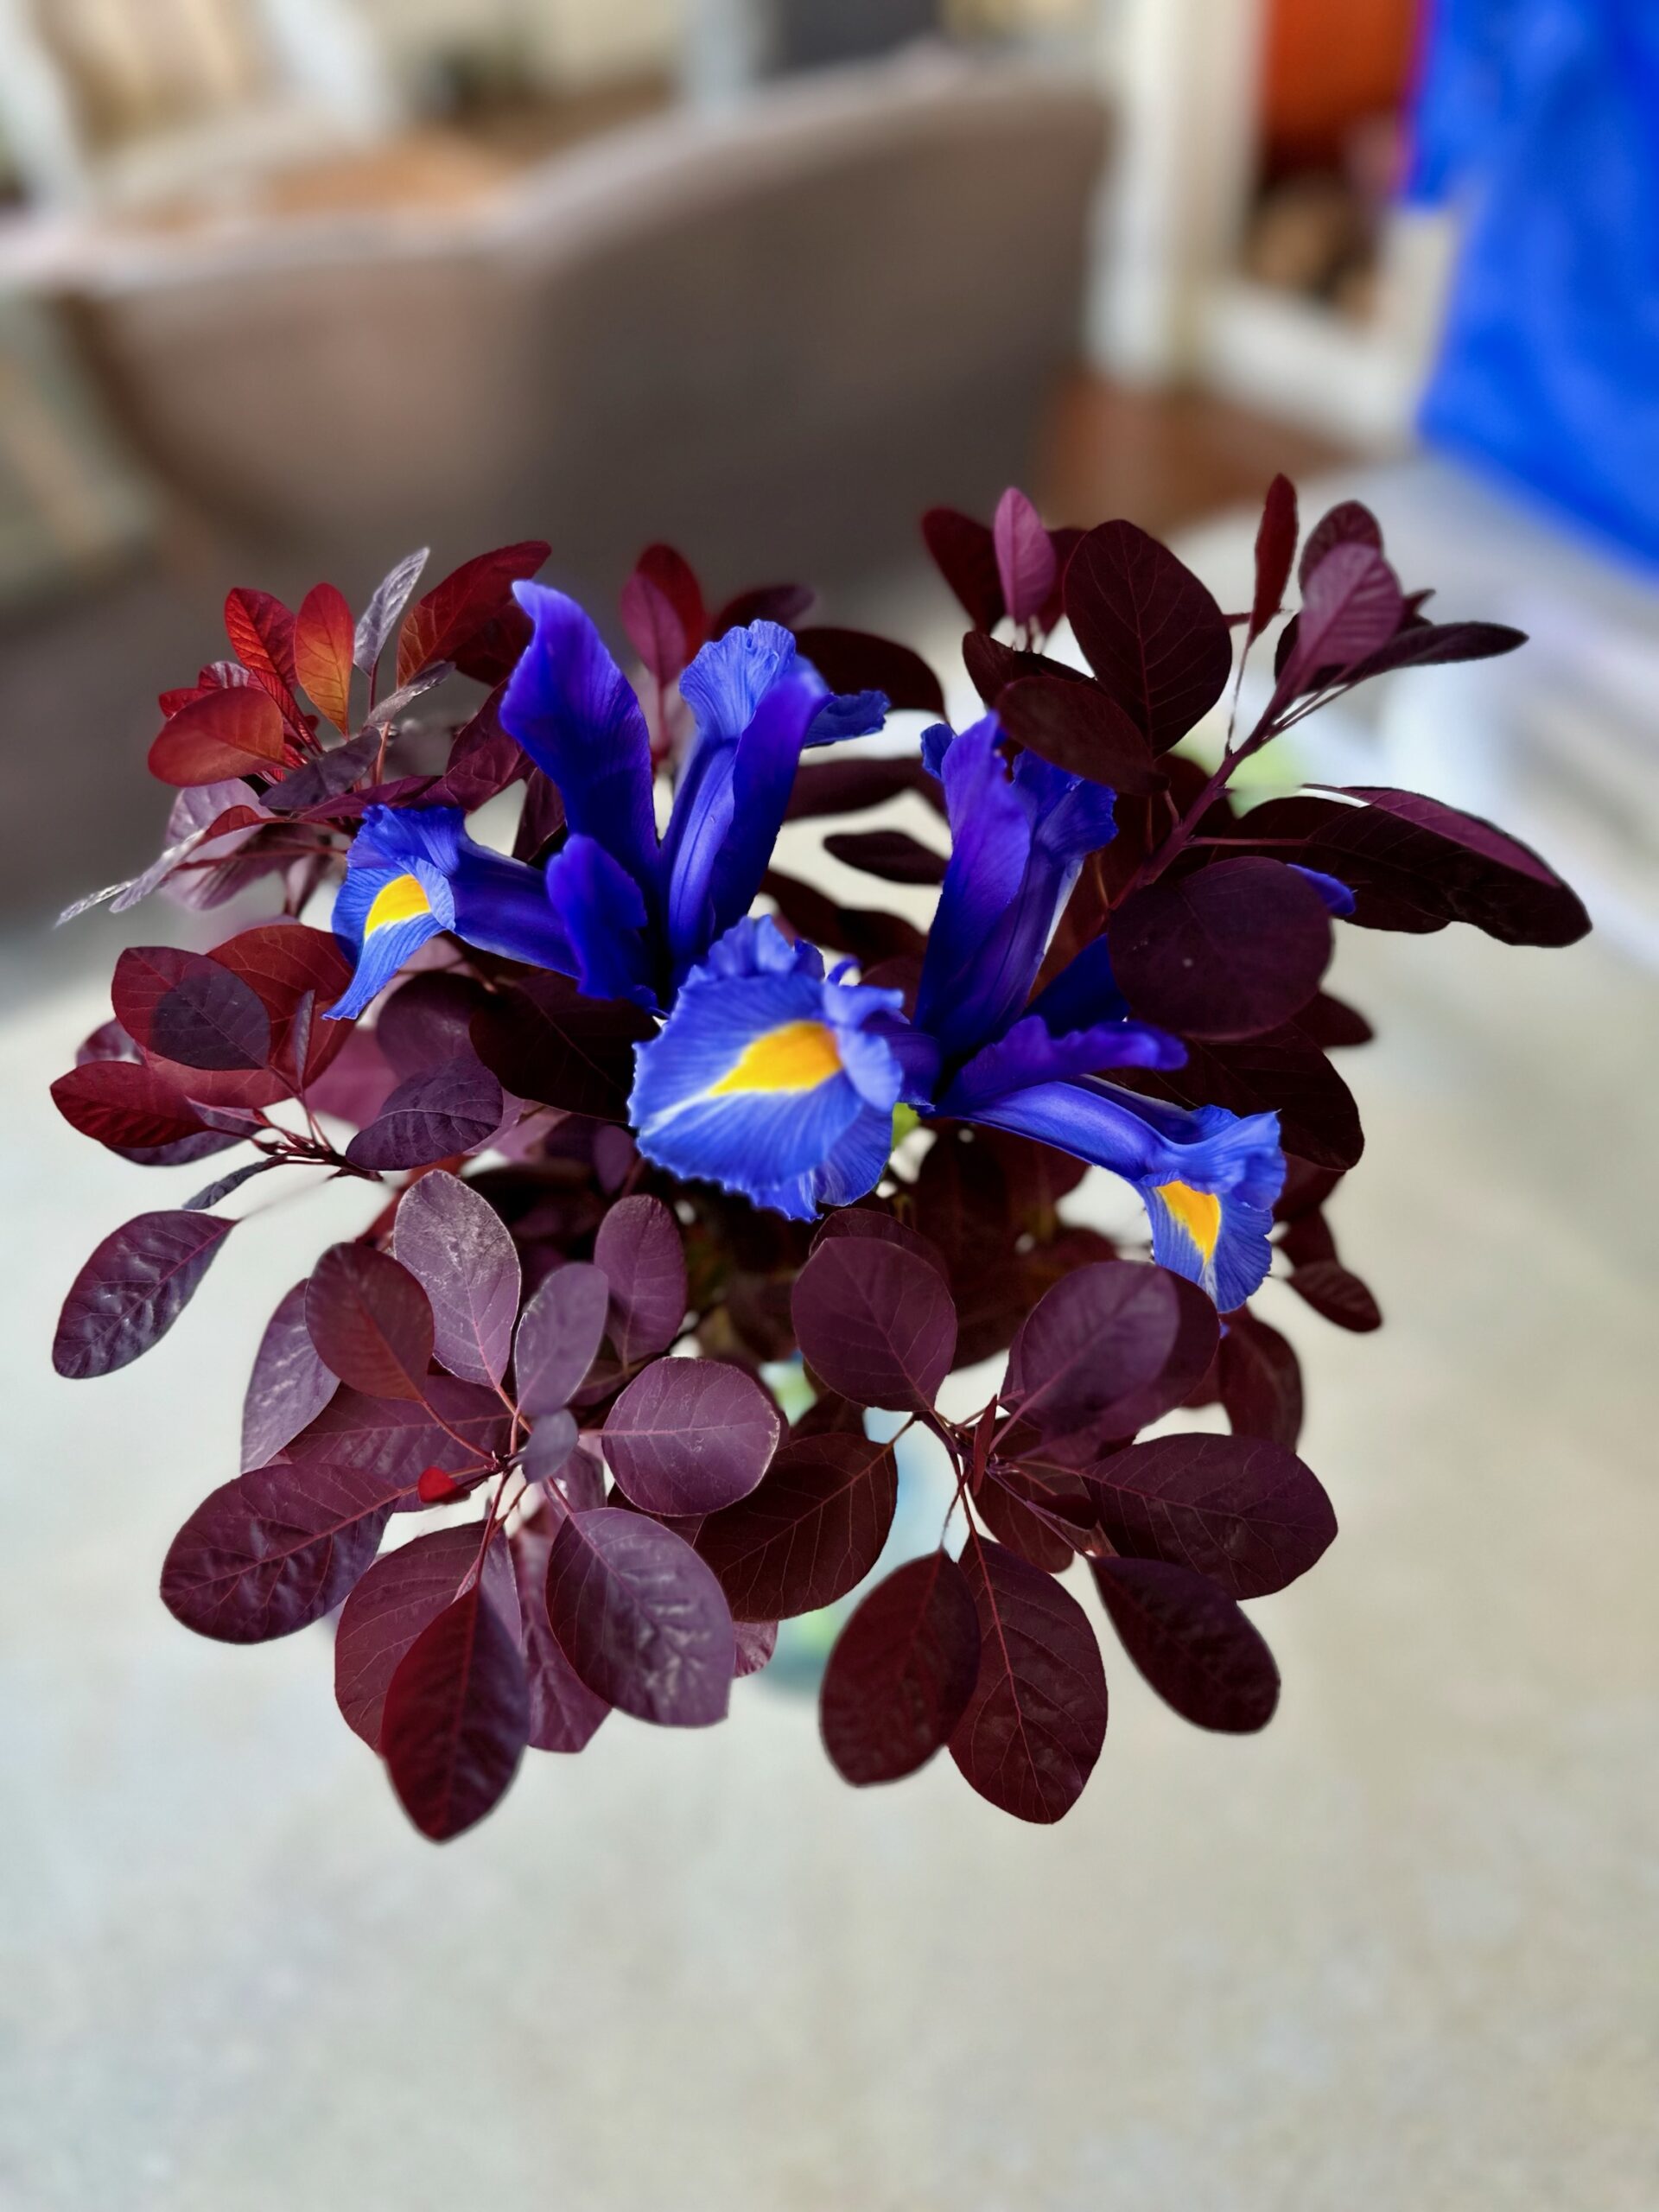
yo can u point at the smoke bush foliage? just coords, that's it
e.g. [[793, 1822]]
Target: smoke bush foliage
[[626, 1150]]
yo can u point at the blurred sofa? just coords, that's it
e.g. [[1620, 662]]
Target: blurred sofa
[[771, 334]]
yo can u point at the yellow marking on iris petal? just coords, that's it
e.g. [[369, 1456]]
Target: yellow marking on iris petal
[[400, 900], [1198, 1212], [799, 1056]]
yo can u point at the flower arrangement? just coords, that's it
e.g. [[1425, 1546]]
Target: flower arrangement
[[629, 1146]]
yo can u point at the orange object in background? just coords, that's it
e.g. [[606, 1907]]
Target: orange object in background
[[1327, 68]]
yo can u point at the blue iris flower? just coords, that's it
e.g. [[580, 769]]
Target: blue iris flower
[[771, 1078], [640, 912], [1208, 1179], [776, 1083], [413, 872]]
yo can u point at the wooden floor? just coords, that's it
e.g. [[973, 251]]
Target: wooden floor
[[1164, 458]]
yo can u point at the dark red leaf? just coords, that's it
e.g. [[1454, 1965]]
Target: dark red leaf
[[641, 1618], [457, 1718], [261, 631], [559, 1336], [1244, 1511], [783, 603], [1025, 566], [964, 553], [442, 626], [396, 1598], [289, 1385], [811, 1533], [1346, 524], [123, 1103], [1014, 1520], [563, 1711], [275, 1549], [640, 1252], [874, 1222], [1332, 1023], [457, 1248], [894, 855], [544, 1040], [1149, 630], [1283, 1072], [1192, 1644], [1337, 1293], [133, 1290], [223, 735], [1351, 608], [1261, 1381], [1229, 951], [991, 666], [848, 787], [1425, 645], [688, 1436], [1275, 548], [401, 1437], [1079, 727], [190, 1009], [901, 1673], [370, 1321], [432, 1115], [870, 937], [1108, 1349], [322, 652], [856, 660], [663, 611], [875, 1322], [1034, 1726], [756, 1643]]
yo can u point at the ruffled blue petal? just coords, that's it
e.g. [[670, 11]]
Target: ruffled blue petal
[[732, 674], [601, 910], [573, 710], [761, 1072], [1180, 1160], [1031, 1053]]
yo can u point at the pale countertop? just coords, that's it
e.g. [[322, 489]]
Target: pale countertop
[[1401, 1952]]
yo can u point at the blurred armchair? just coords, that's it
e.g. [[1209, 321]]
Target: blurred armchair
[[771, 334]]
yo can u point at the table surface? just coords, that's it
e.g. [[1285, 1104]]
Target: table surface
[[1397, 1952]]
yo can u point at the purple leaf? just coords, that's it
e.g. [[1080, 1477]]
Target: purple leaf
[[1149, 630], [1337, 1293], [1350, 606], [1229, 951], [190, 1010], [435, 1114], [1108, 1349], [1346, 524], [428, 1021], [688, 1436], [857, 660], [275, 1549], [1034, 1726], [563, 1711], [811, 1533], [132, 1290], [756, 1643], [217, 1192], [901, 1673], [548, 1448], [1190, 1641], [384, 610], [875, 1223], [639, 1251], [641, 1619], [457, 1248], [544, 1040], [875, 1322], [1261, 1381], [457, 1718], [289, 1385], [458, 1427], [1283, 1072], [850, 786], [1244, 1511], [370, 1321], [393, 1602], [558, 1336], [316, 782], [894, 855], [1425, 644], [1025, 556], [1275, 548], [127, 1106], [1080, 727], [964, 551]]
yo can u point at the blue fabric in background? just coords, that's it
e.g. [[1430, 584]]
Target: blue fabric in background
[[1539, 121]]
